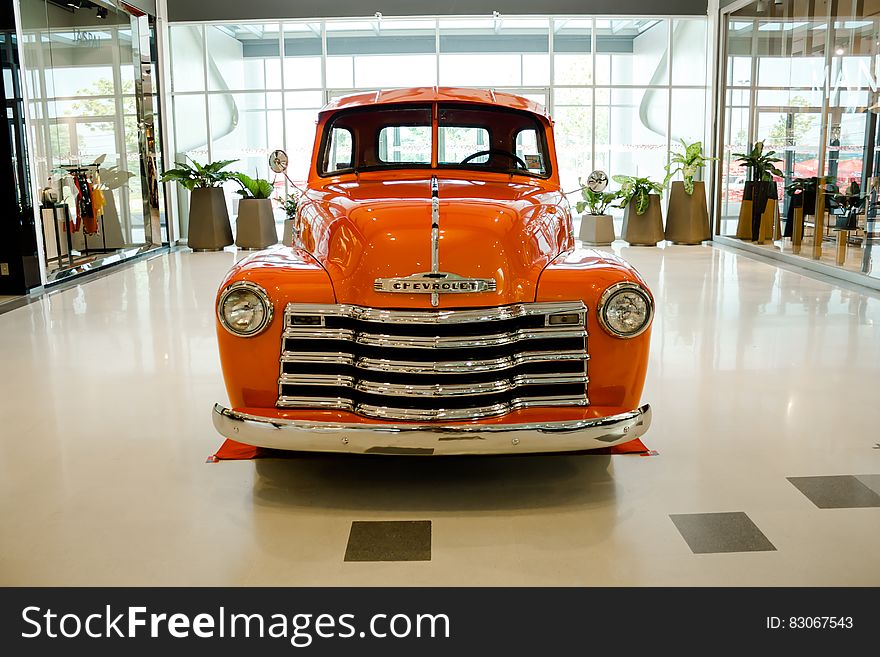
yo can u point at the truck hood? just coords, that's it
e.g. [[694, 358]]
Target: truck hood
[[363, 231]]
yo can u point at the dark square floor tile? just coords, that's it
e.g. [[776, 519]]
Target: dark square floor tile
[[871, 481], [710, 533], [836, 492], [406, 540]]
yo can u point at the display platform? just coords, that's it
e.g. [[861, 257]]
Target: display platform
[[232, 450]]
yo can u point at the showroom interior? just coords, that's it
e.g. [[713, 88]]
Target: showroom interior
[[762, 462]]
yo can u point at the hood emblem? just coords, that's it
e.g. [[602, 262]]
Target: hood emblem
[[434, 282]]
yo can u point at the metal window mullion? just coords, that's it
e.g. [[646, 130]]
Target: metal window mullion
[[208, 136], [31, 131], [753, 89], [819, 229], [166, 119], [324, 57], [716, 56], [437, 50], [669, 27], [521, 69], [551, 47], [593, 46], [323, 25], [281, 55], [125, 190]]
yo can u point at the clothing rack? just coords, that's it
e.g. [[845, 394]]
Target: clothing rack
[[75, 169], [55, 207]]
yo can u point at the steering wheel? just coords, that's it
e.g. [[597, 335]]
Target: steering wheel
[[496, 151]]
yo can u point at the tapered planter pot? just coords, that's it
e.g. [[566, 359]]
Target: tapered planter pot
[[687, 217], [287, 238], [799, 207], [255, 226], [643, 229], [209, 228], [596, 229], [757, 214]]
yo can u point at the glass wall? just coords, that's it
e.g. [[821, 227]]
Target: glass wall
[[88, 70], [620, 90], [802, 78]]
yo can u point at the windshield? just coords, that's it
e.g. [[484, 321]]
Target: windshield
[[468, 137]]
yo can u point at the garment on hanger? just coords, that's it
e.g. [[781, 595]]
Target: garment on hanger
[[90, 217], [86, 209], [73, 204], [68, 197], [98, 200]]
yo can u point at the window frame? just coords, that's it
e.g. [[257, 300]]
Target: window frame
[[325, 151], [545, 162], [435, 109]]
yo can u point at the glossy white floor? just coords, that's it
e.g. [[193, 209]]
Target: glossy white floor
[[757, 374]]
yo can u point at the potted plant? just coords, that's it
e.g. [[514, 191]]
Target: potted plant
[[209, 228], [597, 227], [290, 204], [802, 202], [758, 210], [255, 226], [687, 217], [847, 205], [643, 217]]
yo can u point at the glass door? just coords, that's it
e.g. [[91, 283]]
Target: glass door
[[93, 130], [146, 106], [792, 131]]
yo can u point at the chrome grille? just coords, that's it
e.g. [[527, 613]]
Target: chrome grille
[[433, 364]]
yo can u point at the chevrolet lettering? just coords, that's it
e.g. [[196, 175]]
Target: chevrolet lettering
[[430, 283]]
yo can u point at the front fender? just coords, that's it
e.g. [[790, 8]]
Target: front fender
[[617, 367], [251, 365]]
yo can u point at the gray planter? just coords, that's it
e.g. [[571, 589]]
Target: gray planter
[[643, 229], [596, 229], [287, 239], [687, 217], [255, 226], [209, 228]]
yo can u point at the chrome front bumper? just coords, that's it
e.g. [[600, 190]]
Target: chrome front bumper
[[432, 439]]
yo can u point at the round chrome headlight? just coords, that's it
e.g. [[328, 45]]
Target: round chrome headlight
[[244, 309], [625, 310]]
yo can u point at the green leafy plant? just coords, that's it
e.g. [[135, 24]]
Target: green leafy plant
[[810, 186], [290, 205], [199, 176], [596, 202], [253, 187], [760, 164], [848, 205], [798, 185], [637, 191], [689, 163]]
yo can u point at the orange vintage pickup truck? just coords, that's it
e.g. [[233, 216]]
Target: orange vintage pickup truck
[[433, 299]]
